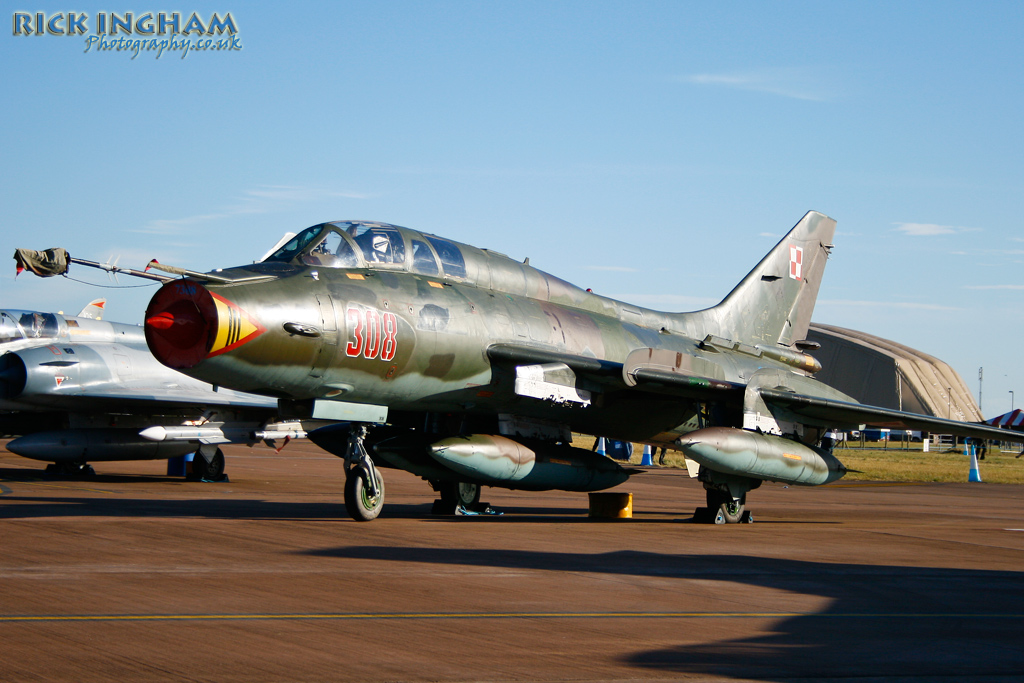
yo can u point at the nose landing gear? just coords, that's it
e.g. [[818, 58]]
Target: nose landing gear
[[364, 486]]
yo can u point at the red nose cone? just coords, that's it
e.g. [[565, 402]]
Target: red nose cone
[[181, 324]]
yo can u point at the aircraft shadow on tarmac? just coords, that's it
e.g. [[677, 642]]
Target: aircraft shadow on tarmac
[[123, 505], [211, 508], [252, 508], [120, 505], [32, 475], [884, 622]]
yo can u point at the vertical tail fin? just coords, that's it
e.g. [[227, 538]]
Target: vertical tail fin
[[774, 302], [94, 309]]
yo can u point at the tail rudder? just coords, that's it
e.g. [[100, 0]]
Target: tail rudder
[[774, 302]]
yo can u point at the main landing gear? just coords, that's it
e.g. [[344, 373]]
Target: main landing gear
[[726, 496], [73, 470], [455, 495], [207, 467], [364, 486], [724, 509]]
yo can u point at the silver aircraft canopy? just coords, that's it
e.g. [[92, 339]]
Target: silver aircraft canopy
[[16, 325]]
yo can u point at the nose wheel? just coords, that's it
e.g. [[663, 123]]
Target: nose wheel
[[361, 501], [364, 486]]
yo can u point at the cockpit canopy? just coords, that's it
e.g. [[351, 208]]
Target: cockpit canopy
[[365, 244], [384, 247], [18, 325]]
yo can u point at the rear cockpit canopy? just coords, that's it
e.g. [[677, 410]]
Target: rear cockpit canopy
[[365, 244]]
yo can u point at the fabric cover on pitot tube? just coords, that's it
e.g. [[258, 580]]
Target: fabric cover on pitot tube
[[43, 263]]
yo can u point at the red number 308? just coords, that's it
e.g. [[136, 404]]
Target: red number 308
[[373, 333]]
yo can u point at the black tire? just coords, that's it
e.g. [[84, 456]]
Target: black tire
[[70, 470], [723, 506], [462, 493], [214, 469], [360, 506], [350, 501]]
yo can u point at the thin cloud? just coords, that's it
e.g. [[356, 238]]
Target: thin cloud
[[924, 229], [175, 225], [568, 171], [907, 305], [930, 229], [129, 257], [298, 194], [262, 199], [669, 301], [794, 83], [989, 252], [613, 269], [991, 287]]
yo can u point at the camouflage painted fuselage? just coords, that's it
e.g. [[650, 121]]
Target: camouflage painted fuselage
[[384, 334]]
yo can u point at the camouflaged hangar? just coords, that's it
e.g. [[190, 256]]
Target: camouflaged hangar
[[884, 373]]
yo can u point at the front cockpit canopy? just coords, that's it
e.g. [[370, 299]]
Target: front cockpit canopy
[[18, 325], [364, 244]]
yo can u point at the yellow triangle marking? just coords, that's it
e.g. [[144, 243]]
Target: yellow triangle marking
[[234, 327]]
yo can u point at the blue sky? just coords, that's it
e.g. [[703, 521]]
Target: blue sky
[[651, 150]]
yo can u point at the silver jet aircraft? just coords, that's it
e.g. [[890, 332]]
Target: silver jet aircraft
[[78, 389]]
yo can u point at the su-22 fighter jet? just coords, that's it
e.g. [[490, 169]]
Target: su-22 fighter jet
[[468, 368]]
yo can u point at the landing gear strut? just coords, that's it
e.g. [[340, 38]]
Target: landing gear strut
[[364, 486]]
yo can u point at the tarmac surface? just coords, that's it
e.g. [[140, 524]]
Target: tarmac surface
[[137, 576]]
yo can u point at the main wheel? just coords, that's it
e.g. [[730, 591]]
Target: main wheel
[[462, 493], [71, 469], [726, 509], [362, 506], [201, 469]]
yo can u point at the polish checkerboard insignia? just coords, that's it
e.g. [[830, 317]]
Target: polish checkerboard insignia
[[796, 262]]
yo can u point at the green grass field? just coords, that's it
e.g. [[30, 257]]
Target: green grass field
[[897, 462]]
